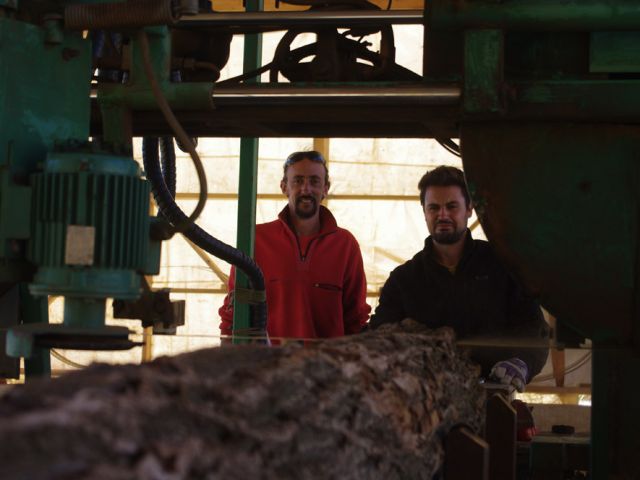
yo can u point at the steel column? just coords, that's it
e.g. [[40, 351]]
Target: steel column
[[35, 310], [248, 180], [615, 413]]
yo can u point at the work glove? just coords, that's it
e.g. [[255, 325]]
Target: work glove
[[511, 372]]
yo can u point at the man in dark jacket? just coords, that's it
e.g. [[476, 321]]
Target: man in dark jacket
[[458, 282]]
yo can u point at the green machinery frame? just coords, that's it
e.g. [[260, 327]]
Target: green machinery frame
[[248, 181], [544, 96]]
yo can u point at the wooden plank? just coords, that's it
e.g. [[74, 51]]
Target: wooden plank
[[558, 362], [466, 456], [551, 390], [501, 436], [280, 196]]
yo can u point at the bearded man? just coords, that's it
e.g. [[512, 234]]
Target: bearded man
[[315, 281], [457, 281]]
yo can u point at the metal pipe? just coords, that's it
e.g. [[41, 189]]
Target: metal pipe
[[535, 15], [345, 95], [334, 18]]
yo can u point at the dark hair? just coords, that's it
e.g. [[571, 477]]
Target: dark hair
[[443, 176], [311, 155]]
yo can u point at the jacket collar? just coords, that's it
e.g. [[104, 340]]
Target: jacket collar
[[466, 251], [328, 222]]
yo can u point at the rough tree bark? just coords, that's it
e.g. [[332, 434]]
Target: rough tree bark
[[372, 406]]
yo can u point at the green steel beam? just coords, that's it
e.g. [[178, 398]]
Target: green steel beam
[[35, 310], [615, 414], [483, 66], [118, 101], [9, 4], [535, 15], [617, 52], [590, 100], [180, 96], [248, 179]]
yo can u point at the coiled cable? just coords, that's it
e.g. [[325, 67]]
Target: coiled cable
[[197, 235]]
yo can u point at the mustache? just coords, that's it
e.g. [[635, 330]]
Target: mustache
[[444, 222], [305, 197]]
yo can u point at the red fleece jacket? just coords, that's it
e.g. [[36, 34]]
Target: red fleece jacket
[[316, 287]]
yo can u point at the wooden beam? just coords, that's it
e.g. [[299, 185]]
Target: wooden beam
[[280, 196], [466, 456], [501, 436], [208, 260], [558, 361], [560, 391], [209, 291]]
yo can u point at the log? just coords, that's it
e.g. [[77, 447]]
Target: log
[[369, 406]]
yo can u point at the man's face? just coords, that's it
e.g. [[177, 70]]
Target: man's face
[[446, 214], [305, 187]]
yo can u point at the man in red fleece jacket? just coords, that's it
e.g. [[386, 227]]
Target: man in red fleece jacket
[[315, 281]]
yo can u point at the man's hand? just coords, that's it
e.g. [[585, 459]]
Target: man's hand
[[513, 371]]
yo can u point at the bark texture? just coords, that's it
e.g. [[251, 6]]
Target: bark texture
[[370, 406]]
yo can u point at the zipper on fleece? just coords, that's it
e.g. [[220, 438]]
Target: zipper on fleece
[[327, 286], [303, 257]]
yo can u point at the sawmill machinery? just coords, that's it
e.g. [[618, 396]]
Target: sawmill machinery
[[543, 95]]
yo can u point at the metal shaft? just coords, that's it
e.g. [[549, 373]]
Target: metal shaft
[[344, 18], [372, 96]]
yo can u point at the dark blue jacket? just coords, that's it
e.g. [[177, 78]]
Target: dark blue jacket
[[480, 299]]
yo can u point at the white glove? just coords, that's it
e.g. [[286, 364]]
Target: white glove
[[513, 371]]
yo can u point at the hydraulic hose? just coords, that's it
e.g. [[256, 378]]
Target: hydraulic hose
[[217, 248], [168, 161], [179, 133]]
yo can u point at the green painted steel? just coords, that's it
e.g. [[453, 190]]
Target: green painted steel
[[13, 4], [105, 193], [32, 123], [614, 52], [551, 455], [247, 195], [541, 193], [154, 248], [534, 15], [33, 310], [136, 93], [549, 139], [615, 413], [117, 101], [248, 181], [84, 312], [483, 66], [560, 203], [35, 60], [180, 96]]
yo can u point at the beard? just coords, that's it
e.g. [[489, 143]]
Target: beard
[[448, 237], [305, 212]]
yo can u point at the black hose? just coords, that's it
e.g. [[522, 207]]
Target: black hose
[[173, 213], [168, 161], [179, 133]]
